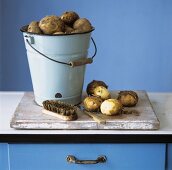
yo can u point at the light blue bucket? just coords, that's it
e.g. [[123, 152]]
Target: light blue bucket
[[57, 65]]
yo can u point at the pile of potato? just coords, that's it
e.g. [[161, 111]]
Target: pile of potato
[[99, 99], [68, 23]]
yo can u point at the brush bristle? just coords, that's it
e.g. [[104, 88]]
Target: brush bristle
[[59, 107]]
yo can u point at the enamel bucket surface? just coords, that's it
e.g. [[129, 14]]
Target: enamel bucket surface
[[51, 80]]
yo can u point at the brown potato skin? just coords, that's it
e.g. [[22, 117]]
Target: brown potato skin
[[82, 25], [68, 29], [51, 24], [92, 85], [128, 98], [68, 23], [69, 17], [34, 27], [76, 31], [92, 104]]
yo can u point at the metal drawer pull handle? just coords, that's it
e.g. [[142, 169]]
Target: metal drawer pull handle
[[73, 159]]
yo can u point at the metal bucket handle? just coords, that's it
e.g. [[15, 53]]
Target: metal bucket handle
[[78, 62]]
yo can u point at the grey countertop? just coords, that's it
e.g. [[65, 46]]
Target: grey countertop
[[161, 102]]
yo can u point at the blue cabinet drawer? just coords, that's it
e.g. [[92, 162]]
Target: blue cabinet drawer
[[119, 156], [169, 157], [4, 156]]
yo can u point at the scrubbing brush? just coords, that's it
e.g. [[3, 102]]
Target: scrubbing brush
[[66, 111], [60, 110]]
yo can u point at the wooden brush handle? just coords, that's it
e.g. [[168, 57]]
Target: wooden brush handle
[[67, 118]]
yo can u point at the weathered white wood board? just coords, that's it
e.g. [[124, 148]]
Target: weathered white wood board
[[28, 115]]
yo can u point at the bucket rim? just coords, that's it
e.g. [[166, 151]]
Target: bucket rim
[[24, 30]]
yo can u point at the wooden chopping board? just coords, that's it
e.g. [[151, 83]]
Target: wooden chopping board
[[28, 115]]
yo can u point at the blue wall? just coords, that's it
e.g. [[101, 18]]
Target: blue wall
[[134, 40]]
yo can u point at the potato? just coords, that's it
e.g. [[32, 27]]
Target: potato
[[128, 98], [51, 24], [68, 29], [34, 27], [101, 92], [76, 31], [111, 107], [92, 104], [83, 25], [69, 17], [56, 33], [92, 85]]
